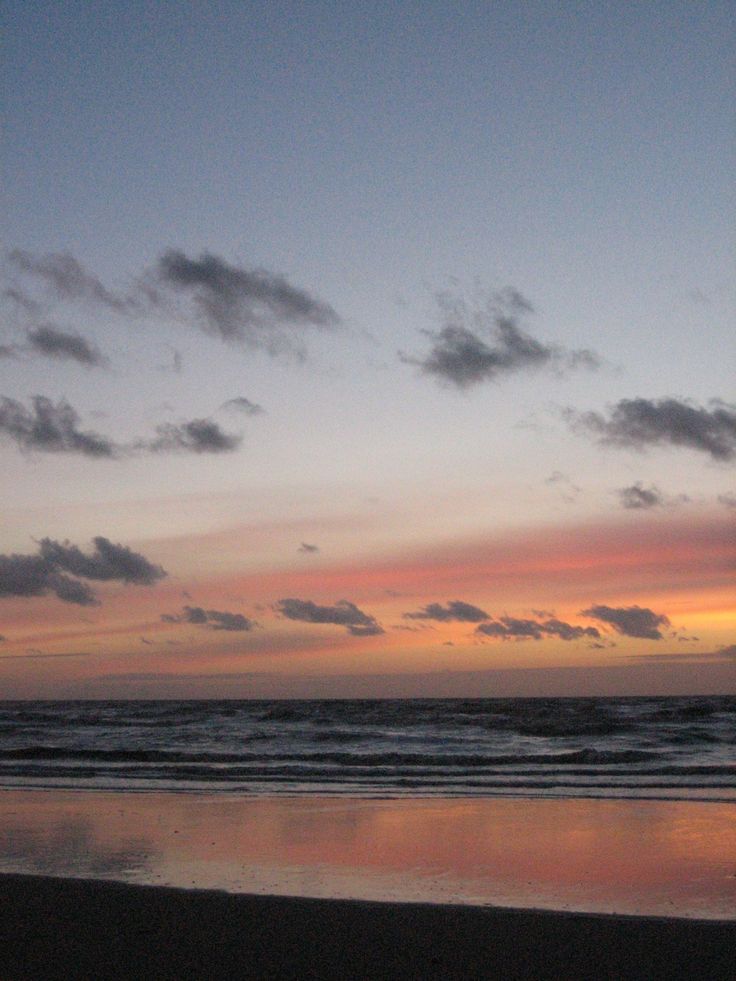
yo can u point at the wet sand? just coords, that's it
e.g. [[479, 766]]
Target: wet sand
[[229, 887], [642, 858], [80, 929]]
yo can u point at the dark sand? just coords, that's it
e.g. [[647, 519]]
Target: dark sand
[[83, 929]]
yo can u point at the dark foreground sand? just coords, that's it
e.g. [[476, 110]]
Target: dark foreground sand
[[73, 929]]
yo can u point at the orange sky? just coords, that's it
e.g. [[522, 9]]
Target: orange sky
[[679, 566]]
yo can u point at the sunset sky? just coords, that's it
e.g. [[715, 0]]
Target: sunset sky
[[367, 349]]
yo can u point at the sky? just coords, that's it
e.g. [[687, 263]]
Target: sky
[[367, 350]]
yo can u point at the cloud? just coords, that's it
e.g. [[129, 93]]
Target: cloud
[[8, 351], [637, 423], [238, 304], [107, 562], [343, 613], [568, 490], [727, 500], [32, 653], [215, 619], [455, 610], [46, 572], [21, 298], [54, 343], [508, 628], [244, 405], [462, 357], [50, 428], [196, 436], [308, 549], [640, 498], [723, 653], [631, 621], [504, 627], [68, 279]]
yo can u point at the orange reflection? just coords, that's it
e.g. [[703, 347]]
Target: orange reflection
[[646, 857]]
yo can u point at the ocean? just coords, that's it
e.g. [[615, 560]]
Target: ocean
[[654, 748]]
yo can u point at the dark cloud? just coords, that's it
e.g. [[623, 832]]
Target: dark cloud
[[238, 304], [367, 630], [640, 498], [455, 610], [637, 423], [50, 428], [343, 613], [52, 569], [567, 631], [242, 404], [196, 436], [73, 591], [8, 351], [222, 620], [727, 500], [68, 279], [481, 344], [107, 562], [508, 628], [215, 619], [632, 621], [54, 343], [308, 549]]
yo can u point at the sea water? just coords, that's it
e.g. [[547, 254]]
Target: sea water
[[680, 748]]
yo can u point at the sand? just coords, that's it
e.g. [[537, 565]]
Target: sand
[[53, 928]]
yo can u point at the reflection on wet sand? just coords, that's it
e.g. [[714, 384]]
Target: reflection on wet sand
[[650, 857]]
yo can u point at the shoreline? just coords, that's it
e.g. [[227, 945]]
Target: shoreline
[[53, 927], [641, 858]]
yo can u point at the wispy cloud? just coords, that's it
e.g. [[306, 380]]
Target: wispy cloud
[[638, 423], [67, 278], [33, 654], [51, 428], [244, 405], [343, 613], [239, 304], [485, 341], [46, 427], [722, 653], [631, 621], [253, 306], [195, 436], [52, 342]]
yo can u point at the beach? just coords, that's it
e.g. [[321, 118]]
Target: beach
[[156, 885], [74, 929]]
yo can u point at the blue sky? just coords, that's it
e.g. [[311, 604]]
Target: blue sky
[[372, 158]]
